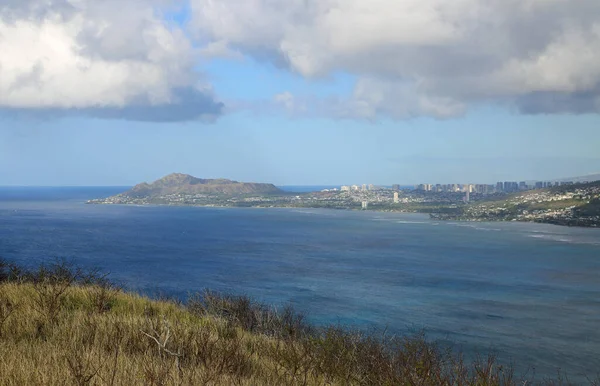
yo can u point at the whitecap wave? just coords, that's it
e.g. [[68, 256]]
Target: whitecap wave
[[488, 229], [562, 239]]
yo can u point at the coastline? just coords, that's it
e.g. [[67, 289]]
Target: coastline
[[574, 223]]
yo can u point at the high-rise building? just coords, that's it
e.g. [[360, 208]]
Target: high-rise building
[[365, 205], [396, 198], [499, 187], [364, 187], [511, 186], [395, 187], [483, 188]]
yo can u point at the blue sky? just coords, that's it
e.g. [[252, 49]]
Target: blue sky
[[265, 104], [482, 147]]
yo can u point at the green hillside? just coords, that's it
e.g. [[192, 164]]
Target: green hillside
[[572, 205]]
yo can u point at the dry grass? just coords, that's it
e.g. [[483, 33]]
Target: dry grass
[[62, 327]]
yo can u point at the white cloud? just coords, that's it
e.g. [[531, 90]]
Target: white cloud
[[370, 100], [220, 49], [410, 57], [425, 57], [116, 57]]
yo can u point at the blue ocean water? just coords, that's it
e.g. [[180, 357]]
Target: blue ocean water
[[531, 292]]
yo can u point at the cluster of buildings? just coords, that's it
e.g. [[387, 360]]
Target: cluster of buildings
[[512, 186], [500, 187], [358, 188], [563, 207], [451, 187]]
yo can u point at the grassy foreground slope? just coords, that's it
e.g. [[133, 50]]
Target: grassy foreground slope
[[62, 327]]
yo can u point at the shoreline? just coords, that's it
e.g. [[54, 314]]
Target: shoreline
[[490, 220], [565, 223]]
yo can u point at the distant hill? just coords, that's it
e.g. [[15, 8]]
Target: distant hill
[[586, 178], [178, 183], [572, 205]]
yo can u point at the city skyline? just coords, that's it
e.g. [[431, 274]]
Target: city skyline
[[498, 187]]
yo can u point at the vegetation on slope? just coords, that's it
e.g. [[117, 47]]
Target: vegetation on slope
[[177, 184], [572, 205], [62, 326]]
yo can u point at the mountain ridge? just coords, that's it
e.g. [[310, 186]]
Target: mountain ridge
[[588, 177]]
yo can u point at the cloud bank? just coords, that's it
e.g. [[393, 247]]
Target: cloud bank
[[112, 59], [424, 57], [124, 59]]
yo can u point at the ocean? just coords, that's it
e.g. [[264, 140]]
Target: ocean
[[530, 292]]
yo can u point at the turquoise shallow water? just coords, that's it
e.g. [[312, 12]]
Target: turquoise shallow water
[[529, 291]]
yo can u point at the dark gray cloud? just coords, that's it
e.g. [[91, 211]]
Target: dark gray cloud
[[188, 105], [553, 102]]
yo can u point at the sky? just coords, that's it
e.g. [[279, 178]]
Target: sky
[[298, 92]]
